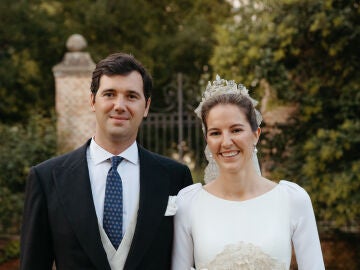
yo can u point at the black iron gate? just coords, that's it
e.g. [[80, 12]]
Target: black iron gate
[[175, 130]]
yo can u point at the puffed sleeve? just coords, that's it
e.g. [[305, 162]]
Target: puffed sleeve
[[305, 236], [183, 247]]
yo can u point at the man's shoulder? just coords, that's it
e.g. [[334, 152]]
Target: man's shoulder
[[163, 159], [62, 158], [165, 168]]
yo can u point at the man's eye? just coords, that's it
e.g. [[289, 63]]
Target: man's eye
[[108, 94]]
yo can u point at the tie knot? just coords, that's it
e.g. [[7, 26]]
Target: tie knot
[[115, 161]]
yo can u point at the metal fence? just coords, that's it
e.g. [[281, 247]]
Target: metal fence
[[180, 138], [174, 130]]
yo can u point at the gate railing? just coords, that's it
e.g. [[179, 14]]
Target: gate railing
[[174, 132]]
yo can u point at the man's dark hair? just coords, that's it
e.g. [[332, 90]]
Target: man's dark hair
[[120, 64]]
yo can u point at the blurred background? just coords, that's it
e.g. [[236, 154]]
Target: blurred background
[[299, 58]]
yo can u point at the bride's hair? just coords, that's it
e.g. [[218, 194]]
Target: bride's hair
[[241, 101], [225, 92]]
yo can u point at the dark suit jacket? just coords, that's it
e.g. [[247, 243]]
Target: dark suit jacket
[[60, 222]]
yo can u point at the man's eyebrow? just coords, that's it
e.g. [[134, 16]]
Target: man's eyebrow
[[133, 92], [107, 89]]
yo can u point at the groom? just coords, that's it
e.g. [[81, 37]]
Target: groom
[[106, 205]]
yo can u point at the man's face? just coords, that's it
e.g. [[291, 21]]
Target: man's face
[[120, 106]]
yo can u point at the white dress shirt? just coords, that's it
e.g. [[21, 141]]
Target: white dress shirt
[[129, 170]]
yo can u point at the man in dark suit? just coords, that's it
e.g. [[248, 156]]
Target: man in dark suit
[[64, 214]]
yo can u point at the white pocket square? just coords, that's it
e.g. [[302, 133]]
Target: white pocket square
[[171, 206]]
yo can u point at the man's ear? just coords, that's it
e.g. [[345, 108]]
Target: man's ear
[[147, 107], [92, 102]]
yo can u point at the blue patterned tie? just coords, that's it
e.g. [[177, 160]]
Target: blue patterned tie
[[113, 204]]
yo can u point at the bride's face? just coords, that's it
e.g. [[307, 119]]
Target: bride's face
[[230, 138]]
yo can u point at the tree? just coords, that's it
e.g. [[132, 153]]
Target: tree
[[308, 53], [31, 42], [21, 146], [167, 36]]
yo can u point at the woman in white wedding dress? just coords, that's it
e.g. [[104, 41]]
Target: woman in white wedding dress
[[239, 219]]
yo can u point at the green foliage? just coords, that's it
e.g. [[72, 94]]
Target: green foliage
[[333, 165], [308, 52], [11, 204], [167, 36], [10, 251], [31, 42], [198, 175], [21, 147]]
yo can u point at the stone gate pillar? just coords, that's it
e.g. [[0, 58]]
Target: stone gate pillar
[[75, 120]]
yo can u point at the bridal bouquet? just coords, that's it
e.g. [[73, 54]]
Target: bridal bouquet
[[243, 256]]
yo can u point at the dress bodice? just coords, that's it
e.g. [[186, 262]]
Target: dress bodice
[[251, 233]]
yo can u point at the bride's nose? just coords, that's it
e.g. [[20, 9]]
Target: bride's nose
[[226, 140]]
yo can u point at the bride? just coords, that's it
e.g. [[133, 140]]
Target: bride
[[239, 219]]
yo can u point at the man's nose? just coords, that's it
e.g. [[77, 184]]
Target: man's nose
[[120, 103]]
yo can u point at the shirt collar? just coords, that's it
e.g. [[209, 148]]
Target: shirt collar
[[99, 154]]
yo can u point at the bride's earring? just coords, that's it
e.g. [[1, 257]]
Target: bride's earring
[[255, 149]]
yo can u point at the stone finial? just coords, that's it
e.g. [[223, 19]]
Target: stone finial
[[75, 61], [75, 119], [76, 43]]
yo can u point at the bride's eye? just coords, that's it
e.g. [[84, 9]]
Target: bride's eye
[[213, 133], [238, 130]]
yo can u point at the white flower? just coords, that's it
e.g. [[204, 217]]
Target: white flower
[[243, 256]]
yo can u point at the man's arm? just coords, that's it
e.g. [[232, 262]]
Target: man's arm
[[187, 177], [36, 251]]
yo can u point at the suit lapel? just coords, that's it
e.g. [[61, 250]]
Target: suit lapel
[[73, 186], [154, 192]]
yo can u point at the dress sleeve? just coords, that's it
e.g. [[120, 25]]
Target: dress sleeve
[[183, 247], [305, 236]]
